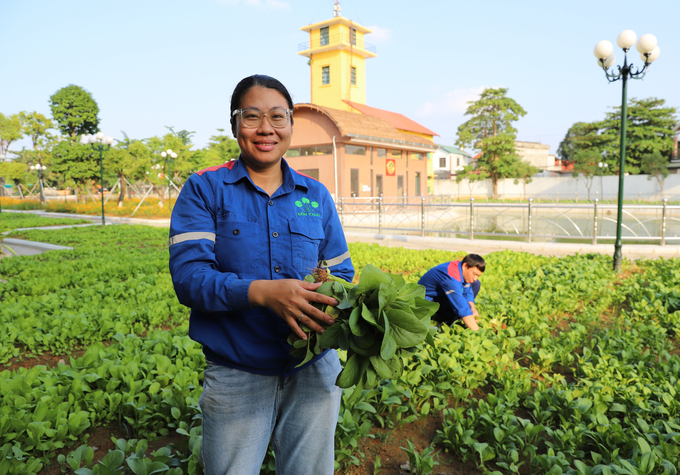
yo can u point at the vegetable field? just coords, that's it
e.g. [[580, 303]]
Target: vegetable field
[[575, 369]]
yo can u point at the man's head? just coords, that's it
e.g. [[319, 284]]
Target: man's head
[[473, 267]]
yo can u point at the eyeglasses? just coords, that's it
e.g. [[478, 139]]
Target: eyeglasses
[[251, 117]]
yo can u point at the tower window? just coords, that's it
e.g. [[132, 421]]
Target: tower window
[[354, 76], [326, 75], [352, 36], [324, 36]]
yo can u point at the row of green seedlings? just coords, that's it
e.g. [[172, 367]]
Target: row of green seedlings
[[622, 411], [65, 300]]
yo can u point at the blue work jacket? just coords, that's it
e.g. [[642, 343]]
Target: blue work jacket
[[225, 233], [445, 284]]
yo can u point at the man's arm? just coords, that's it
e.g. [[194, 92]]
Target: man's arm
[[470, 322]]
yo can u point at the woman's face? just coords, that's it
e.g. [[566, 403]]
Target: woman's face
[[263, 146]]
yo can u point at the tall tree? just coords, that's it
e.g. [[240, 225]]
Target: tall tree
[[490, 130], [656, 166], [220, 149], [473, 176], [581, 136], [10, 131], [37, 126], [76, 112], [649, 129]]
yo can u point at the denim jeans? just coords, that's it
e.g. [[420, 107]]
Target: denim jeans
[[242, 412]]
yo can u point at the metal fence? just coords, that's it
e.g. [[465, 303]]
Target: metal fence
[[529, 221]]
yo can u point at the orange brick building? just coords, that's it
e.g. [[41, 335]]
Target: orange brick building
[[354, 149]]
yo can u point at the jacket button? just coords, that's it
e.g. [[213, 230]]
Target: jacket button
[[275, 234], [236, 231], [271, 203], [277, 269]]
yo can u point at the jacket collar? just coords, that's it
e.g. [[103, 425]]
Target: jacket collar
[[291, 178]]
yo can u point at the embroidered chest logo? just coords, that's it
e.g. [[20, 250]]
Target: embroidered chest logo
[[307, 208]]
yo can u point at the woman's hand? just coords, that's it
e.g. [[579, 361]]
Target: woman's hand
[[290, 299]]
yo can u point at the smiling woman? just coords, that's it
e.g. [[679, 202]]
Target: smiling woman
[[243, 235]]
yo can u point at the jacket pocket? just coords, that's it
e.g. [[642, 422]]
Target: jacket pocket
[[306, 235], [237, 244]]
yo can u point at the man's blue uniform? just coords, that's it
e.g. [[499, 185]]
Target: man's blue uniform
[[445, 284], [225, 233]]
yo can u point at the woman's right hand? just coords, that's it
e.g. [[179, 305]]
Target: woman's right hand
[[290, 299]]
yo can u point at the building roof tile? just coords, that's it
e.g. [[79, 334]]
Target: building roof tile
[[399, 121]]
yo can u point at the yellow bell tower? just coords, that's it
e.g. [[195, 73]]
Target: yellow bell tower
[[337, 56]]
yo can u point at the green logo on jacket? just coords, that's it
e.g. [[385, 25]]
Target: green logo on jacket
[[307, 207]]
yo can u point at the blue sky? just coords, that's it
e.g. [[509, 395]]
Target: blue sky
[[151, 64]]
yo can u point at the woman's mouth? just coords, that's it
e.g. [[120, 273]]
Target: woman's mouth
[[265, 146]]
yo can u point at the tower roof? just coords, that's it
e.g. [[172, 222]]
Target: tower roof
[[336, 20], [397, 120]]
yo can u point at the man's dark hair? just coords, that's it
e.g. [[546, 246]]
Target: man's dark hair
[[475, 260], [252, 81]]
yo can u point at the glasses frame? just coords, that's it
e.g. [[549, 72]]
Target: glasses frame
[[239, 112]]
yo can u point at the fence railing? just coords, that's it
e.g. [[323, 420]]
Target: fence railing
[[529, 221]]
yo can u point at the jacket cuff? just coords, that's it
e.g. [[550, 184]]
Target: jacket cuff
[[237, 294]]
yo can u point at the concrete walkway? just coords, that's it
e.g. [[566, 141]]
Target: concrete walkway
[[477, 246]]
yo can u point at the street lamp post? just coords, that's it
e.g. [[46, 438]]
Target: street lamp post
[[169, 155], [649, 51], [601, 166], [101, 144], [40, 167]]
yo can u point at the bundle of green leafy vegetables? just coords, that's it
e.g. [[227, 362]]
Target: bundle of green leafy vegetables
[[378, 321]]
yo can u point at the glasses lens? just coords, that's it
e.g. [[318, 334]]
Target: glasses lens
[[251, 117], [278, 117]]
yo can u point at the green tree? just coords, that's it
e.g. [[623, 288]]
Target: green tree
[[585, 165], [473, 176], [220, 149], [75, 164], [649, 129], [525, 172], [490, 130], [581, 136], [656, 166], [37, 126], [10, 131], [75, 111]]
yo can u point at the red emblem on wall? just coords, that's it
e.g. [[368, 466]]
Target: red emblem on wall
[[390, 167]]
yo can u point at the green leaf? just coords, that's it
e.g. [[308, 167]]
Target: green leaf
[[411, 291], [354, 323], [388, 346], [405, 328], [329, 338], [371, 278], [351, 373]]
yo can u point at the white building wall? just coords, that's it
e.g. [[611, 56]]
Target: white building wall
[[567, 188]]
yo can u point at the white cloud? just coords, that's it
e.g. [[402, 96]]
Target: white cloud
[[379, 34], [452, 103], [259, 4]]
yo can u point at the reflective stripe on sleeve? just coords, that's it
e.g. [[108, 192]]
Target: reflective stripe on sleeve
[[337, 260], [191, 237], [450, 292]]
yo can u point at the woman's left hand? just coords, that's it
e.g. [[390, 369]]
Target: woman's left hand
[[290, 299]]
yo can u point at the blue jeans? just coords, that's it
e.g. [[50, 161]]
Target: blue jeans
[[242, 412]]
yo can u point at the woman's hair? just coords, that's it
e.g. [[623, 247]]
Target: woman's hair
[[252, 81]]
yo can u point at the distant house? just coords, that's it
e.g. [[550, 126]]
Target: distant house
[[674, 165], [446, 160]]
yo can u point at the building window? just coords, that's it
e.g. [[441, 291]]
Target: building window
[[324, 36], [310, 151], [417, 183], [311, 172], [370, 152], [381, 152], [353, 77], [326, 75], [354, 181], [457, 161], [442, 162], [396, 153], [417, 155], [353, 36], [355, 150]]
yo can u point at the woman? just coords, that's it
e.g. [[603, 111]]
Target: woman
[[243, 235]]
